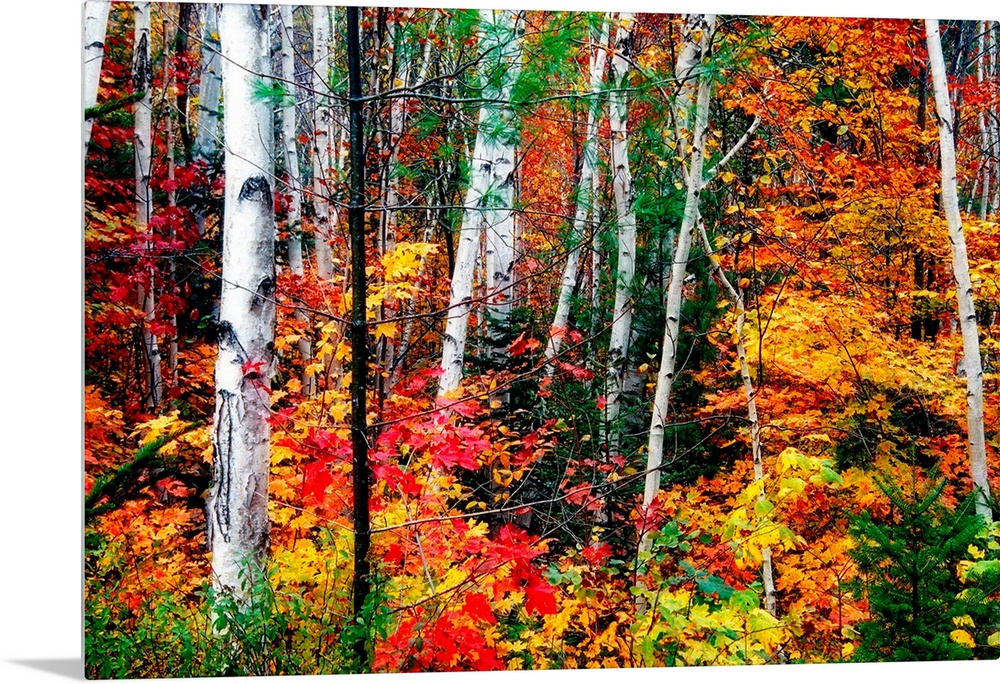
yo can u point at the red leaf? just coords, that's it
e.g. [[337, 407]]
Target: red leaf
[[540, 597], [478, 607], [597, 554]]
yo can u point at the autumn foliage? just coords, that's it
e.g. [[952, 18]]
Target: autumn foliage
[[504, 535]]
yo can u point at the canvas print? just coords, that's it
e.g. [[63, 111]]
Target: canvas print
[[456, 339]]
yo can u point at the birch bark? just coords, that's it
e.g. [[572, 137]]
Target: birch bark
[[584, 201], [142, 139], [700, 27], [322, 124], [237, 506], [972, 360], [736, 295], [286, 35], [489, 197], [621, 325], [95, 25], [206, 142]]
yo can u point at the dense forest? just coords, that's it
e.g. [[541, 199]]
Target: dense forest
[[440, 339]]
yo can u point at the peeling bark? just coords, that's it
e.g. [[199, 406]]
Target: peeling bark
[[237, 505]]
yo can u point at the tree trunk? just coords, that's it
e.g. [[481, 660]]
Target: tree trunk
[[237, 506], [294, 223], [322, 124], [489, 197], [361, 585], [675, 296], [142, 82], [736, 295], [206, 140], [621, 322], [960, 267], [584, 202], [95, 25]]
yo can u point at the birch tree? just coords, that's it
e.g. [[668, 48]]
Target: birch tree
[[585, 195], [142, 139], [490, 193], [972, 361], [621, 323], [698, 28], [206, 141], [237, 506], [95, 25], [736, 296], [286, 35], [322, 125]]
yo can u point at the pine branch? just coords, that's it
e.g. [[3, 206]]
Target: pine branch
[[114, 484], [105, 108]]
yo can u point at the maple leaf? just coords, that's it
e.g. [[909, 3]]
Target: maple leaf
[[478, 607], [597, 554], [540, 597]]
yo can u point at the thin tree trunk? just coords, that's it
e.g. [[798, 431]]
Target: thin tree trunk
[[736, 295], [168, 42], [288, 127], [984, 132], [675, 295], [489, 197], [322, 123], [95, 25], [621, 323], [142, 82], [238, 526], [584, 201], [361, 585], [972, 360], [206, 140]]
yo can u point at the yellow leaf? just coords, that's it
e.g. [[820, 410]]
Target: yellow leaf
[[993, 639], [963, 621], [728, 177], [338, 410], [960, 636], [385, 330]]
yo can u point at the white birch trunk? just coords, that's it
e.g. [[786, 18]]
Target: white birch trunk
[[237, 506], [288, 135], [595, 257], [142, 139], [705, 25], [206, 142], [621, 324], [972, 360], [322, 124], [489, 197], [982, 28], [95, 26], [736, 295], [173, 348], [584, 202], [498, 215]]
